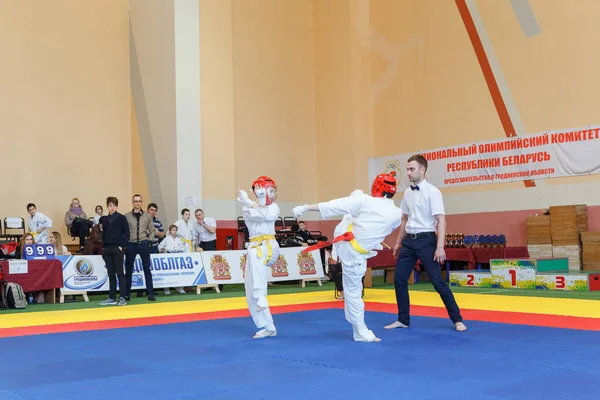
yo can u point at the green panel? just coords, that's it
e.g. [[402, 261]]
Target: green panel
[[553, 265]]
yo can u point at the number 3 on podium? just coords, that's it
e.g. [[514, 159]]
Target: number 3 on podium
[[513, 277]]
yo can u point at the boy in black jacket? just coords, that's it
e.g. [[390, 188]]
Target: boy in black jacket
[[115, 236]]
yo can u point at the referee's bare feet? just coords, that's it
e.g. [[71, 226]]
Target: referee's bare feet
[[460, 327], [395, 325]]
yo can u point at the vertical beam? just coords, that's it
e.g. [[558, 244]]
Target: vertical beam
[[526, 17], [187, 101], [491, 71], [143, 123]]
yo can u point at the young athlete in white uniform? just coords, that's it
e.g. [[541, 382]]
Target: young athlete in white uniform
[[372, 219], [263, 251]]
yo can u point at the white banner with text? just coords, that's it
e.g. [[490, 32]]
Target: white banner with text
[[88, 273], [552, 154]]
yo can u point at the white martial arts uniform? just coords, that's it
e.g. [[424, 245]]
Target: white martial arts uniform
[[185, 231], [260, 222], [37, 221], [172, 245], [372, 219]]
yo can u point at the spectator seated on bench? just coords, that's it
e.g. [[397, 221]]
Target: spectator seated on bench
[[78, 224], [300, 230]]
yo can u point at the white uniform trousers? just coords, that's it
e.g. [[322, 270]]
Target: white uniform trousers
[[255, 281], [354, 306]]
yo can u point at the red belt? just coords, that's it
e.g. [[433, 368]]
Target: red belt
[[344, 237]]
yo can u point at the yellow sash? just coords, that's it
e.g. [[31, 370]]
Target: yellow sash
[[258, 240], [354, 243]]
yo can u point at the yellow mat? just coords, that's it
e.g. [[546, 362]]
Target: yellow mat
[[487, 302]]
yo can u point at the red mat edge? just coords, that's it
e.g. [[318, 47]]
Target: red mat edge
[[551, 321]]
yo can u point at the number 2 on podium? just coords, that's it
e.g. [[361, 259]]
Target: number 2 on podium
[[513, 277], [470, 279]]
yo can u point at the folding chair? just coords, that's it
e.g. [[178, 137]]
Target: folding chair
[[279, 224], [16, 226], [288, 222], [336, 292]]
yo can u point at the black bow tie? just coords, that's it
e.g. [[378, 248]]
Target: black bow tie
[[414, 187]]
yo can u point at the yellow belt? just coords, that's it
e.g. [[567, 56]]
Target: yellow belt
[[258, 240], [188, 242], [354, 243]]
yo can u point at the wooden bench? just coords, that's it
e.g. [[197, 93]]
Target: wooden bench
[[387, 271], [388, 276], [206, 286], [64, 293]]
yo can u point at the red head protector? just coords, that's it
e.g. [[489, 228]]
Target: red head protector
[[384, 185], [265, 190]]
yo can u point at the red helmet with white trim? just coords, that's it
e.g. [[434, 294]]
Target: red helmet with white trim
[[384, 185], [264, 188]]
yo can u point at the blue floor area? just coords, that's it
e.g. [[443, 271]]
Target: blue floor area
[[313, 357]]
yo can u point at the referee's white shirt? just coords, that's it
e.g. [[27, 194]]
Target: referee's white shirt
[[421, 206]]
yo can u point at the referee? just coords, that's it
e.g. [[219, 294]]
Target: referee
[[423, 213]]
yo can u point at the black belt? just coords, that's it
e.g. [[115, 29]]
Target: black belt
[[419, 235]]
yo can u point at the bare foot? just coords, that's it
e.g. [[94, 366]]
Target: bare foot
[[375, 340], [460, 327], [395, 325]]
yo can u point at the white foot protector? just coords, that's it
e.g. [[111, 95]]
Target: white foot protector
[[263, 333]]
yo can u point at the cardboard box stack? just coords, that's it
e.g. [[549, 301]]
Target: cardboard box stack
[[566, 225], [591, 251], [539, 236]]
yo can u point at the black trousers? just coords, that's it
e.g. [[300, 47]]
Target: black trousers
[[81, 228], [208, 246], [335, 273], [143, 249], [113, 257], [421, 248]]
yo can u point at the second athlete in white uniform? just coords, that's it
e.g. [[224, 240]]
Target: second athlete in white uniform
[[263, 251], [372, 219]]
